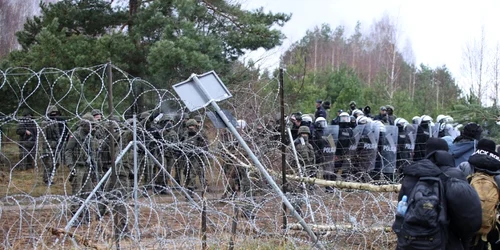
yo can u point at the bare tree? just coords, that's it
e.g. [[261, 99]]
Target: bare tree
[[13, 15], [495, 75], [409, 57], [474, 65], [355, 42], [386, 36]]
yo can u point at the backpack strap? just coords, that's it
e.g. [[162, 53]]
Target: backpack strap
[[444, 177]]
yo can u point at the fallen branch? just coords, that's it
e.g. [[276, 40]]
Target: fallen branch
[[347, 185], [315, 227], [322, 182], [59, 232]]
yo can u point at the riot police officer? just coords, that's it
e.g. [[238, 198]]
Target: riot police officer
[[406, 143], [343, 143]]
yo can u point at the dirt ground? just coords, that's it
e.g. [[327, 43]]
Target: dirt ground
[[172, 223], [29, 209]]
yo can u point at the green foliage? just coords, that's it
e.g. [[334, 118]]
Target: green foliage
[[344, 87], [163, 41], [332, 67], [405, 108]]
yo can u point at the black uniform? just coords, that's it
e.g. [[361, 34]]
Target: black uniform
[[343, 143], [423, 134]]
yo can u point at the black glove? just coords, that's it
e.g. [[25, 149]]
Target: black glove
[[72, 174]]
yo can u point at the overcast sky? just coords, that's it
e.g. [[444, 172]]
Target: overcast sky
[[438, 30]]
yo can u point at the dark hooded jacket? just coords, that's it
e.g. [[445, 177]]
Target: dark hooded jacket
[[462, 150], [438, 163], [433, 165]]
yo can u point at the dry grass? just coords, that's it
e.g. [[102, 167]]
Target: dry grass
[[180, 226], [28, 182]]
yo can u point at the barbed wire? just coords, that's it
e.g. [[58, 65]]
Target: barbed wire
[[180, 175]]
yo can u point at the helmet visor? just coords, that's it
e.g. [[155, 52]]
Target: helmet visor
[[321, 124], [345, 119]]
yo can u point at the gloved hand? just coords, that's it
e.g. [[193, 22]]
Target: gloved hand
[[72, 174]]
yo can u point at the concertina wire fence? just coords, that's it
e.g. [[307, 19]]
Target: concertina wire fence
[[354, 212]]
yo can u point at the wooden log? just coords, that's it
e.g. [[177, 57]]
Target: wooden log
[[342, 227], [348, 185], [322, 182]]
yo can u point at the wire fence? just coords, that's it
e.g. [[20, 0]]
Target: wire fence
[[170, 184]]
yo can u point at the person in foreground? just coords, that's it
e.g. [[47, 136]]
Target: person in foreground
[[438, 209], [483, 173]]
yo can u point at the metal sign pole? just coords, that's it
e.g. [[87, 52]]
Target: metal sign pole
[[256, 161], [103, 179]]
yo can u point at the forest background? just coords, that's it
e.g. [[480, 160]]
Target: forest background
[[168, 40]]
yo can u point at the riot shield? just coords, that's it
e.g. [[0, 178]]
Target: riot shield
[[332, 130], [411, 137], [331, 134], [388, 150], [406, 146], [366, 148], [424, 132], [342, 155], [357, 132], [435, 129], [432, 128]]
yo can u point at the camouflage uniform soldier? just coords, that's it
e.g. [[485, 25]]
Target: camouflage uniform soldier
[[106, 157], [263, 148], [27, 131], [239, 176], [117, 189], [181, 163], [97, 114], [155, 145], [182, 128], [305, 153], [203, 132], [167, 141], [147, 138], [99, 124], [80, 153], [55, 132], [193, 144], [171, 140], [101, 133], [228, 142], [199, 120]]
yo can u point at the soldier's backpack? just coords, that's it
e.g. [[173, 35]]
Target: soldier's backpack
[[487, 189], [425, 223]]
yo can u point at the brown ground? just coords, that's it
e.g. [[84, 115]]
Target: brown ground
[[28, 209], [175, 224]]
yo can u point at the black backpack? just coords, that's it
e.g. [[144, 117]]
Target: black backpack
[[425, 223]]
